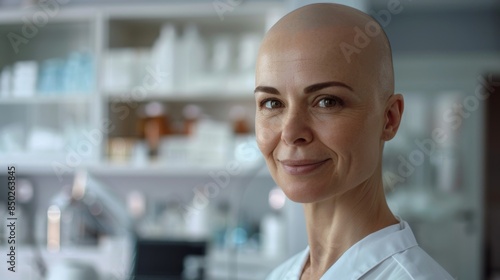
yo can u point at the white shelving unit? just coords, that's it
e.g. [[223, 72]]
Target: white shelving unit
[[49, 116], [98, 30]]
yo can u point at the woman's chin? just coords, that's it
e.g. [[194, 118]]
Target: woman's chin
[[302, 194]]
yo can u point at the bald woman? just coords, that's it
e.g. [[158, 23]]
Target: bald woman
[[325, 107]]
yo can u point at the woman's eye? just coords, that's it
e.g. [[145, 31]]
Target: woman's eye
[[271, 104], [329, 102]]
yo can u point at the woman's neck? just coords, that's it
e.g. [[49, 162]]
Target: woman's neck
[[336, 224]]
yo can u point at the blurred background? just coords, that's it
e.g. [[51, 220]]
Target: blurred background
[[130, 127]]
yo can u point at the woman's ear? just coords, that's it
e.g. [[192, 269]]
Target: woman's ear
[[393, 113]]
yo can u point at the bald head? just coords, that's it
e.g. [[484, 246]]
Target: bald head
[[320, 15], [325, 102], [346, 41]]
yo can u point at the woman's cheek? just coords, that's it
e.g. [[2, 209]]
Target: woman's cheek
[[369, 142], [265, 136]]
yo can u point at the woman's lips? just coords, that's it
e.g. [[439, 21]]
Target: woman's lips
[[301, 167]]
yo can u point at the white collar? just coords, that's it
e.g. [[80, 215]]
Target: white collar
[[368, 252]]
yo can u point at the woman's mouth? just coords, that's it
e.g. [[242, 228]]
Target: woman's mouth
[[301, 167]]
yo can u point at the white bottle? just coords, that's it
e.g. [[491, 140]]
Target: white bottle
[[163, 59], [191, 58]]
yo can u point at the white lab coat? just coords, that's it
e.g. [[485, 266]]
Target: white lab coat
[[391, 253]]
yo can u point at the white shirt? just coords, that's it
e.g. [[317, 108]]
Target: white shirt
[[391, 253]]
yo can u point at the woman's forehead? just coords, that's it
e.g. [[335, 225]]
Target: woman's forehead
[[316, 56], [296, 66]]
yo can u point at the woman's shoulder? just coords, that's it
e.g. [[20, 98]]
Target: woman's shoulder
[[417, 262], [411, 264], [291, 268]]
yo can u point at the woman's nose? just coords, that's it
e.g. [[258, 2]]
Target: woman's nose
[[296, 129]]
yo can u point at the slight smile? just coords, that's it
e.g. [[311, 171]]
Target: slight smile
[[301, 167]]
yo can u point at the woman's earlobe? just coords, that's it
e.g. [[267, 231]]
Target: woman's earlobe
[[393, 115]]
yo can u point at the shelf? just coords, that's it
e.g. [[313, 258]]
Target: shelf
[[72, 13], [43, 164], [25, 167], [67, 98], [172, 169], [14, 16], [185, 10], [180, 96]]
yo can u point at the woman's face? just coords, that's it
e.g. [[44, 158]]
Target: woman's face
[[318, 121]]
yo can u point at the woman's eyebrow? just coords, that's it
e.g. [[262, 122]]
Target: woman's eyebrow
[[266, 89], [319, 86], [308, 89]]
